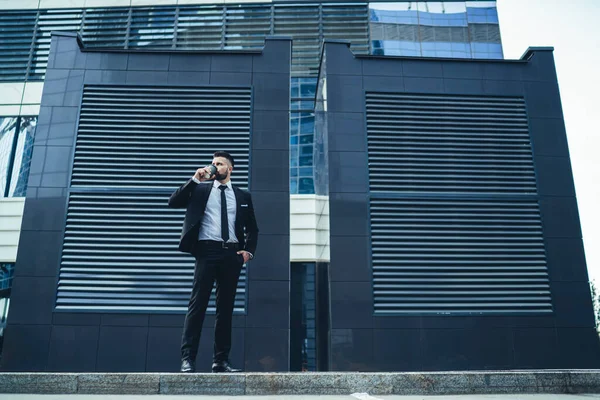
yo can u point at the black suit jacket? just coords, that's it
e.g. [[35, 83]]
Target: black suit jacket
[[194, 196]]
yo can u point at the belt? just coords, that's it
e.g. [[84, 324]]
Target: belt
[[219, 245]]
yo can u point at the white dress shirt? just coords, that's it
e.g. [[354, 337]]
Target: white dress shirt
[[210, 229]]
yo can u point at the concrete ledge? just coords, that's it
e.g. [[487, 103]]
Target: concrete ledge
[[118, 383], [328, 383], [207, 384], [38, 383]]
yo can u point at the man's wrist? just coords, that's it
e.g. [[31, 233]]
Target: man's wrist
[[250, 255], [195, 180]]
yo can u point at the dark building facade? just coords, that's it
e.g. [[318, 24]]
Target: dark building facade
[[455, 236], [99, 283], [457, 28], [453, 225]]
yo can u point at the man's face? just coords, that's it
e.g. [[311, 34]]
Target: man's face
[[223, 168]]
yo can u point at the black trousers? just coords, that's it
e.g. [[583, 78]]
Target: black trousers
[[223, 266]]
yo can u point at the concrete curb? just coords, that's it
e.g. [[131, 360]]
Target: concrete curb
[[326, 383]]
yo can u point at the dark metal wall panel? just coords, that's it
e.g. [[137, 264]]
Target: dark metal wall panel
[[458, 256], [449, 144], [120, 254], [466, 247], [152, 137], [134, 144], [92, 204], [426, 240]]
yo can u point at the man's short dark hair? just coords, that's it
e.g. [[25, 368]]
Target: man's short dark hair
[[226, 155]]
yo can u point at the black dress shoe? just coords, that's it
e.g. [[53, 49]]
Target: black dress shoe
[[224, 366], [187, 365]]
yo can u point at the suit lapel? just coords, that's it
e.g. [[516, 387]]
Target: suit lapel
[[202, 201], [238, 202], [204, 195]]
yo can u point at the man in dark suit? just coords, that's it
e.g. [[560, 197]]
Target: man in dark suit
[[220, 231]]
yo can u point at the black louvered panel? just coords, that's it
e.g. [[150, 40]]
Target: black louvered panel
[[449, 144], [246, 26], [458, 256], [302, 23], [16, 32], [105, 27], [200, 27], [347, 22], [49, 21], [120, 253], [156, 137], [152, 27]]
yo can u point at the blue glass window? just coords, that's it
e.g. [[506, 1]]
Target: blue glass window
[[306, 139], [305, 171], [22, 158], [306, 150], [8, 128], [16, 146], [434, 29], [307, 125], [305, 160], [306, 186]]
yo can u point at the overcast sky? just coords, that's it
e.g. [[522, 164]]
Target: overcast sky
[[572, 27]]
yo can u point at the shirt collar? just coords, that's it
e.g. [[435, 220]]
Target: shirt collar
[[216, 184]]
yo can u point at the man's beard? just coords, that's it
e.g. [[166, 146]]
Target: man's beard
[[220, 177]]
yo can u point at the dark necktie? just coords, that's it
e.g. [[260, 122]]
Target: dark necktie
[[224, 221]]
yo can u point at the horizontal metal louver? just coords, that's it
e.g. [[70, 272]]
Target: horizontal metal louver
[[200, 27], [51, 21], [184, 27], [120, 253], [347, 22], [16, 34], [310, 24], [449, 144], [156, 137], [105, 27], [458, 256], [152, 27], [246, 26], [302, 23], [135, 146], [455, 222]]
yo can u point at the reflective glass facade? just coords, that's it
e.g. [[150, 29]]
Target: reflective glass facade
[[16, 146], [463, 29], [303, 344], [6, 277]]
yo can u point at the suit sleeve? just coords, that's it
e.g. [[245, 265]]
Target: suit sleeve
[[251, 228], [181, 197]]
